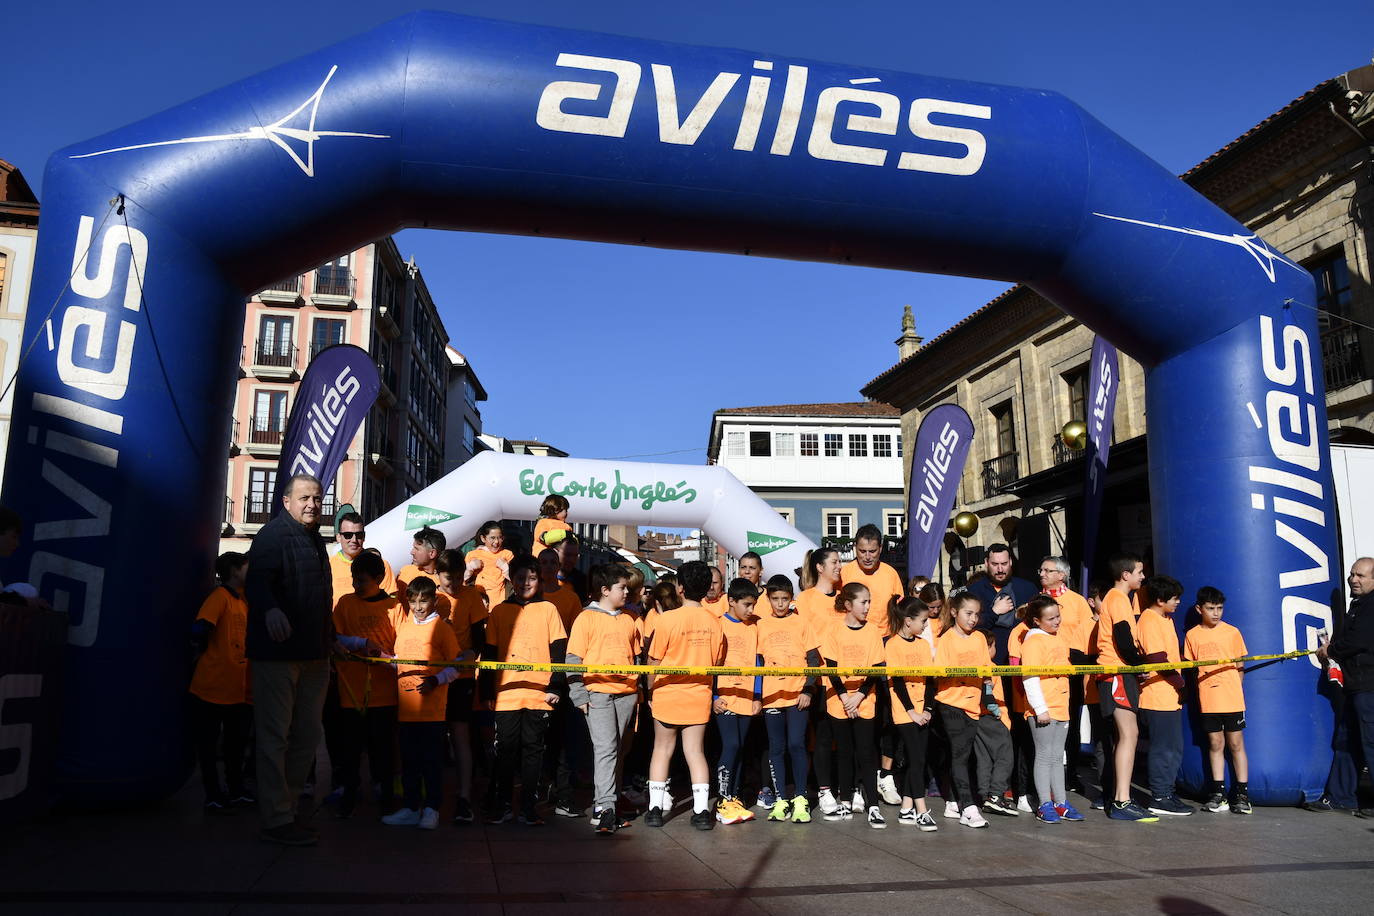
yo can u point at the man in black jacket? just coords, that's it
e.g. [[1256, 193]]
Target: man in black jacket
[[1352, 647], [290, 632]]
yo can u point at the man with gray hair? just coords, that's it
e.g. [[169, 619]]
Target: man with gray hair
[[1078, 631], [290, 631], [1351, 650]]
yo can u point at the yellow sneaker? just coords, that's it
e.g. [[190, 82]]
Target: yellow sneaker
[[801, 810], [730, 811]]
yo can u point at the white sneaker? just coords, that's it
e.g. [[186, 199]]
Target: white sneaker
[[429, 819], [887, 790], [857, 802], [406, 817], [826, 802], [907, 817], [972, 817], [1023, 804], [875, 818], [952, 810]]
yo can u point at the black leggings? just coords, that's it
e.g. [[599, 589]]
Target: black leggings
[[235, 721], [733, 730], [915, 738], [787, 738], [856, 745]]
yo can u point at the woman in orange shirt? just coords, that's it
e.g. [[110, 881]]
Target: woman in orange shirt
[[851, 701], [1047, 712], [220, 685], [820, 579]]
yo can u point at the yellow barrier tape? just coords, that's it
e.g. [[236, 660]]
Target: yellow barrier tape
[[927, 671]]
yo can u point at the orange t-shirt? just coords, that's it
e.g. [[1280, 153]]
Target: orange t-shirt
[[365, 685], [1113, 609], [851, 648], [491, 579], [741, 651], [1157, 634], [604, 638], [408, 574], [1076, 624], [542, 527], [222, 671], [1218, 686], [818, 609], [468, 605], [524, 633], [1014, 640], [783, 643], [908, 653], [688, 636], [431, 640], [1039, 649], [568, 604], [719, 607], [882, 584], [954, 649], [341, 570]]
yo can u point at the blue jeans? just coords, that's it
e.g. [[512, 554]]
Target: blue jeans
[[1166, 749], [1353, 745], [787, 738]]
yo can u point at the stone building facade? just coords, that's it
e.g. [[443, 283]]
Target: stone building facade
[[1303, 180]]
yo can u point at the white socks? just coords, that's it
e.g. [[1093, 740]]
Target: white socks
[[658, 795], [701, 797]]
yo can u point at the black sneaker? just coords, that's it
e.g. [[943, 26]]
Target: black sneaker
[[242, 799], [998, 804], [1171, 805], [530, 818], [606, 822], [347, 803], [1322, 805], [501, 815], [653, 817], [1240, 804], [704, 820], [217, 806], [462, 812], [1216, 803]]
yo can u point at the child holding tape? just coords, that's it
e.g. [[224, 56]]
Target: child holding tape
[[787, 641], [1047, 697], [908, 620], [960, 699], [851, 701], [738, 699], [1222, 701]]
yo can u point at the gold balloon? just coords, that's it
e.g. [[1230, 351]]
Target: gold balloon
[[965, 524], [1075, 434]]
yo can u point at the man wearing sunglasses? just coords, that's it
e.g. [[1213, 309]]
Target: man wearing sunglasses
[[352, 538]]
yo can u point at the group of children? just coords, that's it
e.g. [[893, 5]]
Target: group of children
[[843, 734]]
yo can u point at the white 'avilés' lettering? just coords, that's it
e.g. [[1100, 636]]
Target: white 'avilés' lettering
[[881, 115]]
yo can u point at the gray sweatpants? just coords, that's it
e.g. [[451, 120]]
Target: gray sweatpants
[[609, 719], [1049, 760]]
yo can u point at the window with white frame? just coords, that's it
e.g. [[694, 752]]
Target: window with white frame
[[882, 445], [899, 445], [834, 445], [735, 444], [839, 523], [810, 445], [788, 515], [894, 523], [858, 445], [785, 444], [760, 443]]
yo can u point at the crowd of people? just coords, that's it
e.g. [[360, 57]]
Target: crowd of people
[[374, 661]]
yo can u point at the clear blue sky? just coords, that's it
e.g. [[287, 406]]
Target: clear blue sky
[[1179, 80]]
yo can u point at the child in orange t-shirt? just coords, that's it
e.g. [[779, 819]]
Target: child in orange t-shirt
[[908, 619], [787, 641], [851, 702], [1161, 694], [525, 628], [738, 699], [606, 634], [1118, 643], [1221, 701], [422, 635], [1047, 707], [553, 525], [367, 690], [687, 637], [219, 687], [493, 576], [468, 617], [960, 699]]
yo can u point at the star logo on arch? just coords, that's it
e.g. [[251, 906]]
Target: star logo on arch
[[295, 133], [1264, 256]]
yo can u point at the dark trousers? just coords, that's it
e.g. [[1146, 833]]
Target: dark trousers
[[371, 731], [825, 745], [960, 730], [993, 750], [1104, 743], [856, 746], [1353, 746], [1165, 730], [915, 738], [210, 722], [520, 735], [422, 763], [787, 739], [733, 730]]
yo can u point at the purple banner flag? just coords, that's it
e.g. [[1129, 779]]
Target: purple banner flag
[[1103, 382], [937, 464], [339, 387]]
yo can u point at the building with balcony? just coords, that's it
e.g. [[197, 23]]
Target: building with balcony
[[1303, 180], [18, 239], [828, 469], [374, 299]]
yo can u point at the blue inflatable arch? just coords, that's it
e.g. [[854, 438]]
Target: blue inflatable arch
[[438, 120]]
